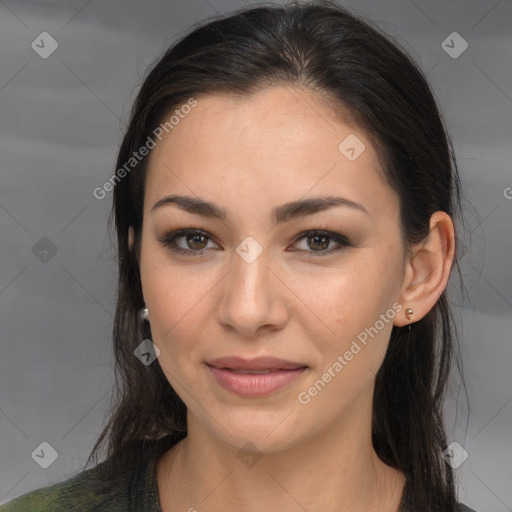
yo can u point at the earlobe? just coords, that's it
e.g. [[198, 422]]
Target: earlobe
[[428, 270]]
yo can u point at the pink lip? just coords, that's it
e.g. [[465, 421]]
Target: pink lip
[[254, 385]]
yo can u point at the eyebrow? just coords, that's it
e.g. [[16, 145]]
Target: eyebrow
[[280, 214]]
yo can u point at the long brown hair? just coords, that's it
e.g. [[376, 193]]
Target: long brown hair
[[326, 49]]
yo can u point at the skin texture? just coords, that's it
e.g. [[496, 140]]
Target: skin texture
[[248, 156]]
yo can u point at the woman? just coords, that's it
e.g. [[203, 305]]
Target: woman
[[284, 201]]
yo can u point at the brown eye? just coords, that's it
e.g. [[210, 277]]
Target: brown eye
[[317, 243], [195, 241], [320, 242]]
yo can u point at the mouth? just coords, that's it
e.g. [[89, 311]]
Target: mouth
[[251, 381], [257, 372], [259, 364]]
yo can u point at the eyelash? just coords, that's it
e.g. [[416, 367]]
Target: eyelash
[[168, 239]]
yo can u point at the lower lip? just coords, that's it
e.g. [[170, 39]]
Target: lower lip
[[251, 385]]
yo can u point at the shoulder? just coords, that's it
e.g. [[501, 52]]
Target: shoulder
[[83, 492], [79, 489]]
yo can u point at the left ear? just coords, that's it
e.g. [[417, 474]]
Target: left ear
[[427, 270]]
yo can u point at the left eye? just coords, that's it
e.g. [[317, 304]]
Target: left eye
[[196, 239], [321, 240]]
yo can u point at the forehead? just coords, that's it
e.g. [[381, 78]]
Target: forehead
[[278, 144]]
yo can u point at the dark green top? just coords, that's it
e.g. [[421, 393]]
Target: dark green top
[[132, 491]]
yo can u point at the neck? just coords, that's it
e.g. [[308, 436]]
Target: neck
[[335, 470]]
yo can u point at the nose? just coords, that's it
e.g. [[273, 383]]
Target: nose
[[253, 298]]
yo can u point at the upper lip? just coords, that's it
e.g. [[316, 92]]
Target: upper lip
[[259, 363]]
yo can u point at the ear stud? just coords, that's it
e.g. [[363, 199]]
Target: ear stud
[[408, 313], [144, 313]]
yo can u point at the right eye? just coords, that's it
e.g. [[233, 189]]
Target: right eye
[[193, 237]]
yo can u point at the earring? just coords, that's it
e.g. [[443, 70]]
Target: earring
[[144, 313], [408, 313]]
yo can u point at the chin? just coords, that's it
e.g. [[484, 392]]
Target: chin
[[269, 433]]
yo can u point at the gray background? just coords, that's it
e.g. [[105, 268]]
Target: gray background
[[62, 120]]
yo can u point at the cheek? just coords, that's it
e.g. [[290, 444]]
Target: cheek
[[353, 313], [181, 327], [350, 296], [172, 290], [177, 301], [349, 359]]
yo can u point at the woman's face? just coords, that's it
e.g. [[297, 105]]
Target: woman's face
[[253, 284]]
